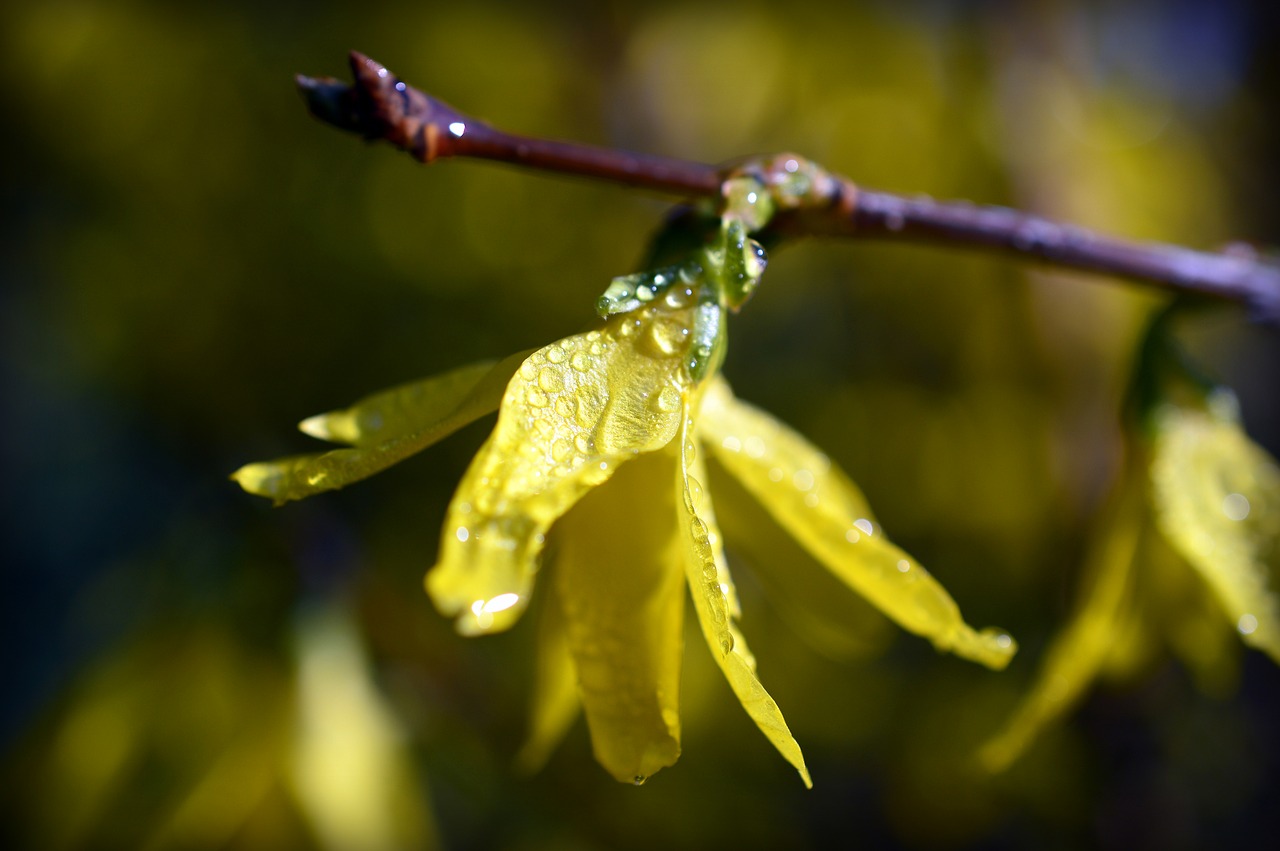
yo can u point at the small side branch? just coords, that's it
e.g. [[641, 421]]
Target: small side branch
[[380, 106]]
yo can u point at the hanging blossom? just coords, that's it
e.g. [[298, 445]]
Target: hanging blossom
[[1188, 560], [601, 444]]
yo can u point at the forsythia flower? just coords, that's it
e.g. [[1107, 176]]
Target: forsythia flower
[[605, 436], [1189, 556]]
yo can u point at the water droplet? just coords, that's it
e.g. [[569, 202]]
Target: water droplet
[[710, 575], [566, 406], [544, 429], [550, 379], [667, 401], [536, 398], [668, 338], [699, 530], [462, 533], [695, 494], [639, 779], [903, 565], [726, 643], [1004, 641], [560, 449], [528, 371], [595, 349], [628, 327], [690, 452], [644, 294], [555, 354], [1247, 624], [865, 525], [583, 444], [1235, 506]]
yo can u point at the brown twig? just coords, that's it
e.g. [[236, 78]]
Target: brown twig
[[380, 106]]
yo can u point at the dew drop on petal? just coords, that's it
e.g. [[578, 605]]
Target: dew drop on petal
[[667, 401], [536, 398], [1247, 624], [550, 379], [528, 371], [555, 354], [903, 565], [865, 525], [580, 361], [462, 533], [731, 443]]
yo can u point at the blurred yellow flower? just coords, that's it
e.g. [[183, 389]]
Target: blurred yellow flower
[[632, 404], [1187, 558]]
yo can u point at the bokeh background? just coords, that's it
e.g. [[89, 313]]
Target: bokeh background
[[191, 265]]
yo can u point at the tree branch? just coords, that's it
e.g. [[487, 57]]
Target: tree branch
[[380, 106]]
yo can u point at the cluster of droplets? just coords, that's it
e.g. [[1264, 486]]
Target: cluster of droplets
[[631, 292]]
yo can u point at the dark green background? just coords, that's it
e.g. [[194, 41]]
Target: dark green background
[[191, 265]]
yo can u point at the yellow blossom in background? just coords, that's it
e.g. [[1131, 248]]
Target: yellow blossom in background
[[1188, 557], [599, 457]]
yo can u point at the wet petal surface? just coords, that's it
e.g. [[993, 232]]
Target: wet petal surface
[[709, 583], [572, 413], [1216, 497], [821, 508], [383, 429]]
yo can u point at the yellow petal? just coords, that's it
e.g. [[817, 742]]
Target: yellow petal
[[555, 691], [572, 413], [817, 503], [385, 428], [708, 577], [1216, 496], [621, 588], [352, 768], [407, 408], [818, 607], [1077, 656]]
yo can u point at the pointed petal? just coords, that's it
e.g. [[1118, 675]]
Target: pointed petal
[[1077, 656], [818, 504], [821, 609], [405, 409], [572, 413], [555, 691], [708, 577], [1216, 496], [622, 593], [386, 428]]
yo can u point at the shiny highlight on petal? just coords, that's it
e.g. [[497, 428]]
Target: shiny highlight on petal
[[1216, 497]]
